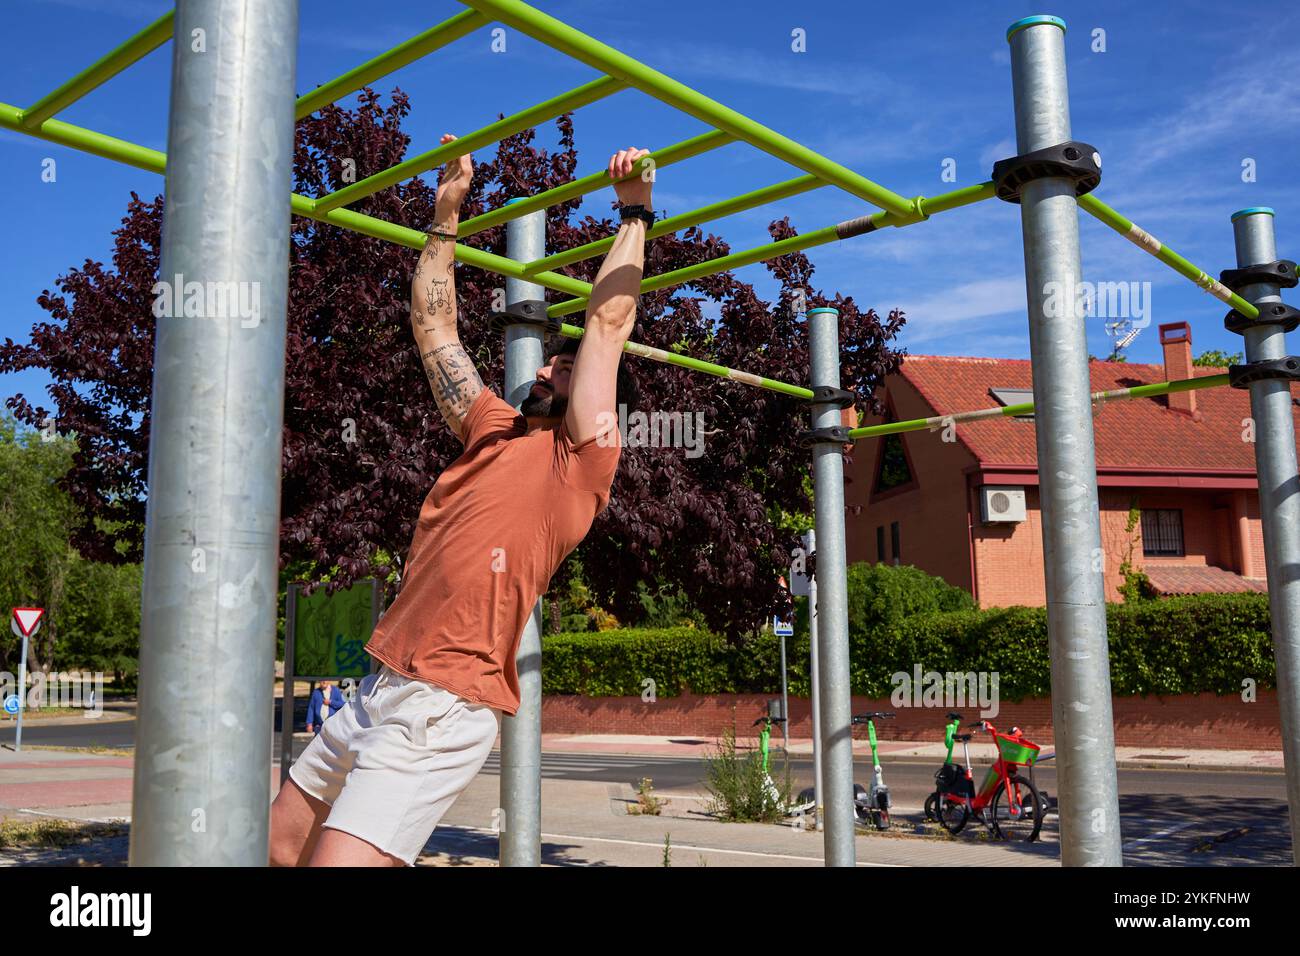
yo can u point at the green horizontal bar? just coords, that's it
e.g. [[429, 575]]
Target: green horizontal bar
[[587, 93], [589, 184], [88, 141], [434, 38], [415, 239], [574, 43], [710, 267], [717, 210], [1150, 244], [154, 161], [1027, 408], [698, 365], [951, 200], [100, 72]]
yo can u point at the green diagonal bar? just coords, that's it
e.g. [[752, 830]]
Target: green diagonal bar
[[589, 184], [717, 210], [99, 72], [698, 365], [587, 93], [85, 140], [566, 39], [434, 38], [1153, 246], [1027, 408], [773, 250]]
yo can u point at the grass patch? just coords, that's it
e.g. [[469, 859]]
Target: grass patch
[[30, 834]]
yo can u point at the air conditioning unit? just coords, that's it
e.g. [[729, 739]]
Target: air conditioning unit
[[999, 503]]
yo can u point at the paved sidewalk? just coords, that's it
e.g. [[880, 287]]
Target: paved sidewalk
[[584, 822]]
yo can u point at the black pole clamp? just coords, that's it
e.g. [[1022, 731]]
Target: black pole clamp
[[1078, 162], [1287, 367], [524, 312], [1270, 313], [839, 434], [1279, 272], [830, 395]]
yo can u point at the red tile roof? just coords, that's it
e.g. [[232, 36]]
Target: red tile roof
[[1202, 579], [1131, 433]]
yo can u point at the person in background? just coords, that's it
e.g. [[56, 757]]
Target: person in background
[[325, 700]]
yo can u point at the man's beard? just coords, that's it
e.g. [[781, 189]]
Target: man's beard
[[548, 405]]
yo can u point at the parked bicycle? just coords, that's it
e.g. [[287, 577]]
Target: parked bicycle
[[803, 804], [1006, 802]]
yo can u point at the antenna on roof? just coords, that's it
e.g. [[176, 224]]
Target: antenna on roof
[[1124, 332]]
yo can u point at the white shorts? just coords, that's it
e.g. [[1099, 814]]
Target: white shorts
[[394, 760]]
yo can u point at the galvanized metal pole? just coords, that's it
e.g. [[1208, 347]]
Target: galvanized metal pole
[[1279, 496], [810, 548], [207, 667], [1067, 464], [785, 704], [521, 735], [832, 596], [287, 700]]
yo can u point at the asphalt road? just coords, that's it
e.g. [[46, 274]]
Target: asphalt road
[[1169, 817]]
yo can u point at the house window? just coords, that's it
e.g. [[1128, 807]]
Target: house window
[[880, 543], [894, 472], [894, 540], [1162, 533]]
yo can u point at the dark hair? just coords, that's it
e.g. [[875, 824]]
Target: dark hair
[[627, 392]]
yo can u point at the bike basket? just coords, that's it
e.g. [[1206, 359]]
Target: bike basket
[[1017, 750]]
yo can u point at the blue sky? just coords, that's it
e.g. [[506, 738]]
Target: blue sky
[[1175, 104]]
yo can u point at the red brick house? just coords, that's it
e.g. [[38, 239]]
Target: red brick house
[[962, 503]]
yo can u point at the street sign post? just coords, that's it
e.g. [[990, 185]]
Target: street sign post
[[25, 622]]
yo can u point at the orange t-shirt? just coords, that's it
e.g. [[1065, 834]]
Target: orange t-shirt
[[494, 528]]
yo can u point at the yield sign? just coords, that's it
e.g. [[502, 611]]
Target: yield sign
[[27, 618]]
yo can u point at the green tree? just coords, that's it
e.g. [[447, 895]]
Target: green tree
[[36, 519], [1213, 358]]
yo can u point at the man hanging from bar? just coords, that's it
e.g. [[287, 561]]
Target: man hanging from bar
[[371, 787]]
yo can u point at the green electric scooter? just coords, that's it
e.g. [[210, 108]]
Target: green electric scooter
[[949, 738], [805, 803], [872, 805]]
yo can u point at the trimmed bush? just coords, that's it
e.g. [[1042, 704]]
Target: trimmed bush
[[1186, 645]]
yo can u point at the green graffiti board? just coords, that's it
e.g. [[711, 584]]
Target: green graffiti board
[[331, 631]]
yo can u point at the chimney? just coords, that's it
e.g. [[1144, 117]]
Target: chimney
[[1176, 340]]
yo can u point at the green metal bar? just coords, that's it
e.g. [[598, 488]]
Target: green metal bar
[[1150, 244], [434, 38], [717, 210], [88, 141], [576, 44], [589, 184], [415, 239], [587, 93], [129, 153], [99, 72], [698, 365], [843, 230], [1027, 408]]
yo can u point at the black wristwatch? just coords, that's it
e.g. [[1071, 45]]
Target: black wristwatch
[[637, 212]]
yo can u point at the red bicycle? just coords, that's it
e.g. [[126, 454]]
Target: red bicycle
[[1007, 803]]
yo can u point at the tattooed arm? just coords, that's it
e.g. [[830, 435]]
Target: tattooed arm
[[451, 374]]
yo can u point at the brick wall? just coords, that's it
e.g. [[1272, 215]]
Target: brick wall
[[1194, 721]]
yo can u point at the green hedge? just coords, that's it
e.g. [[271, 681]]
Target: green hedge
[[1175, 646]]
